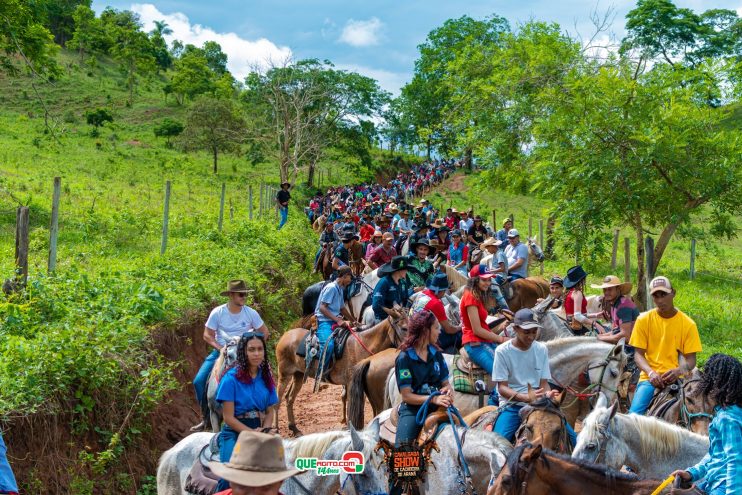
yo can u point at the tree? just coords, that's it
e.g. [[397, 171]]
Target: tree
[[622, 147], [22, 35], [192, 76], [58, 16], [216, 59], [213, 125], [168, 128], [89, 36]]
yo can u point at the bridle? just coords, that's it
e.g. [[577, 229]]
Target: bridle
[[686, 417], [564, 443], [586, 393]]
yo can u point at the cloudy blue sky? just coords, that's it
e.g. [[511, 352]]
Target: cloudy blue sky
[[377, 38]]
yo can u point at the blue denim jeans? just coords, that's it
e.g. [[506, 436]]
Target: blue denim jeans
[[202, 377], [324, 330], [642, 398], [7, 479], [508, 422], [284, 210], [483, 355], [227, 441]]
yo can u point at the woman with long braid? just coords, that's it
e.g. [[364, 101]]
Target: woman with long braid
[[720, 471], [246, 393]]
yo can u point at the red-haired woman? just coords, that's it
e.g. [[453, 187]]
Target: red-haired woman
[[421, 370]]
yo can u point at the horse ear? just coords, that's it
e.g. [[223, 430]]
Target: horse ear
[[614, 408], [355, 439], [531, 394], [560, 397], [374, 428], [619, 347], [532, 454], [602, 400]]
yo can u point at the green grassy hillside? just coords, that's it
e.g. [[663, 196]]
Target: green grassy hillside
[[713, 299]]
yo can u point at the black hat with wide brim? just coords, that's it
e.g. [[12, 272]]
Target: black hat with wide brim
[[574, 276], [422, 242], [397, 263]]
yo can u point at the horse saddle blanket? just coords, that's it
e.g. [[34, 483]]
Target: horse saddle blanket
[[201, 480], [432, 426], [466, 373], [663, 399]]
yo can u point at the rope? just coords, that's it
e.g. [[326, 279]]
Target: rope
[[354, 334], [664, 484]]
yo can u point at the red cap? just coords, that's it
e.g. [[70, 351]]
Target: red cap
[[481, 271]]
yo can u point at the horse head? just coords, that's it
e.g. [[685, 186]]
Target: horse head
[[596, 440], [535, 251], [605, 373], [518, 475], [697, 408], [371, 479], [544, 420]]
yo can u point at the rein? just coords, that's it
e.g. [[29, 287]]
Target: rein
[[584, 394], [354, 334]]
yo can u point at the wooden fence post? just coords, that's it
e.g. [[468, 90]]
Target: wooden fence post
[[626, 259], [21, 245], [649, 273], [165, 220], [530, 227], [260, 202], [54, 225], [512, 219], [541, 239], [221, 206], [494, 220], [692, 259], [249, 202], [614, 253]]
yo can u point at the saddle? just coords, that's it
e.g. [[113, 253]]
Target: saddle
[[201, 480], [311, 343], [430, 430], [466, 373], [664, 399]]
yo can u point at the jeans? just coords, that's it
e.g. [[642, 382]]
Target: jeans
[[497, 292], [284, 210], [324, 330], [449, 342], [7, 480], [508, 422], [483, 355], [642, 398], [515, 276], [227, 441], [202, 377]]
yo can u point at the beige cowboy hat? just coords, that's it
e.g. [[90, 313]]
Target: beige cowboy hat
[[257, 460], [437, 224], [490, 242], [236, 286], [614, 281]]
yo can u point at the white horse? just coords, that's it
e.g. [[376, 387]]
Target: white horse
[[485, 453], [227, 359], [176, 463], [649, 446], [355, 304], [568, 360]]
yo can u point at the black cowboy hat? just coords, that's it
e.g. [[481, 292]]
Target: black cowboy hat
[[437, 282], [285, 184], [574, 276], [348, 236], [421, 226], [422, 242], [397, 263]]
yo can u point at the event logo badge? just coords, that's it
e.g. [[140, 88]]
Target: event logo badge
[[408, 463], [352, 462]]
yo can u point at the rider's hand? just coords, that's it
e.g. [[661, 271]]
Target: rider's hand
[[539, 392], [442, 400], [684, 475], [447, 390], [671, 376], [656, 380], [552, 393]]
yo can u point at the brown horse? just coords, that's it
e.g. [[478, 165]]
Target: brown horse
[[324, 263], [355, 259], [319, 223], [527, 292], [369, 377], [531, 470], [386, 334], [690, 408]]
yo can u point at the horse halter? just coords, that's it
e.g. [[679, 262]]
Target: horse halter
[[585, 394], [564, 444], [687, 417]]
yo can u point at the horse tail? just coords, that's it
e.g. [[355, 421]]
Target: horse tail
[[357, 393]]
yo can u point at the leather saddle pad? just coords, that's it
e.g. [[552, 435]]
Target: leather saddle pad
[[201, 480]]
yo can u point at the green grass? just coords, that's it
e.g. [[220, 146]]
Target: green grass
[[713, 299]]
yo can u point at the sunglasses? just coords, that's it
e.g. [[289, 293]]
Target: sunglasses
[[252, 334], [240, 294]]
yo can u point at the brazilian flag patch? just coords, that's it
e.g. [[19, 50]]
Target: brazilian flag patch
[[404, 374]]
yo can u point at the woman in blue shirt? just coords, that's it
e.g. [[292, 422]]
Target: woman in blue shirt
[[720, 471], [246, 392]]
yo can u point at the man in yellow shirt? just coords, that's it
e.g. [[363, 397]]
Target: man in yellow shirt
[[659, 337]]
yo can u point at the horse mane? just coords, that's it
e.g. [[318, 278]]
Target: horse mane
[[599, 469], [218, 365], [315, 444], [658, 438]]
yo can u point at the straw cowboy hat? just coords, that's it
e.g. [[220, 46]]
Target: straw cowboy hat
[[236, 286], [257, 460], [613, 281], [437, 224], [490, 242]]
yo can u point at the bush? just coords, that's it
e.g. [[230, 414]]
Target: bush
[[168, 128], [98, 117]]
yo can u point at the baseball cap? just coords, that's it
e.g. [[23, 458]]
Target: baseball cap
[[481, 271], [660, 284], [524, 318], [456, 232], [513, 233]]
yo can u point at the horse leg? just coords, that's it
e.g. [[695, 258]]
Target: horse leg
[[344, 399], [295, 388], [284, 383]]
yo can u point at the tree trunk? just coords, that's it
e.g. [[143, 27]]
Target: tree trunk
[[468, 162], [641, 283], [215, 150], [429, 146], [310, 175], [549, 248]]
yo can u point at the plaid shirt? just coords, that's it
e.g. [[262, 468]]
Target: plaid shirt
[[722, 466]]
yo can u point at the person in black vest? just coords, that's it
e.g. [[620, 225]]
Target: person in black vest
[[282, 198]]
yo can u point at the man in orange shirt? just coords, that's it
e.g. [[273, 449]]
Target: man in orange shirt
[[659, 337]]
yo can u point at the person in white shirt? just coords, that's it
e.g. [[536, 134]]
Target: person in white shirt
[[465, 223], [226, 321]]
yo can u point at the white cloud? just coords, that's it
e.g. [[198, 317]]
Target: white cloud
[[389, 81], [362, 33], [242, 54]]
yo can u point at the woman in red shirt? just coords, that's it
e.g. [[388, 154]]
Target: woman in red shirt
[[479, 341], [575, 303]]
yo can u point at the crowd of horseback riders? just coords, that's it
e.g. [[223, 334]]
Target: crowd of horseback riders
[[433, 314]]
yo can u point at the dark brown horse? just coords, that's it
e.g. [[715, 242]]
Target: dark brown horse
[[355, 258], [388, 333], [531, 470], [369, 377], [324, 263]]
